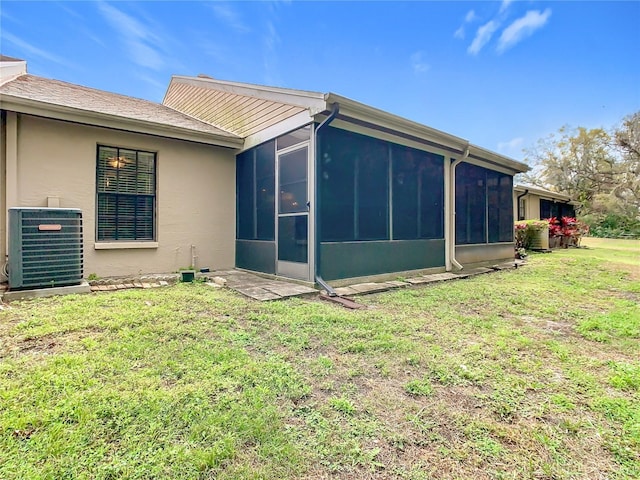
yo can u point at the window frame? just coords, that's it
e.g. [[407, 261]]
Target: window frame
[[126, 241]]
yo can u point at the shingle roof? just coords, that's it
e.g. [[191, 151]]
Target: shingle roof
[[55, 92], [6, 58]]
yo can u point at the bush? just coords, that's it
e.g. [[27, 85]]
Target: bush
[[612, 226], [566, 232], [525, 232]]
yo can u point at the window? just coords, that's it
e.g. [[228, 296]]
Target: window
[[522, 208], [418, 194], [484, 205], [255, 190], [550, 209], [126, 191]]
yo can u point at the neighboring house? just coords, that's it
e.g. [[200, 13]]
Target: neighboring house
[[286, 182], [535, 203]]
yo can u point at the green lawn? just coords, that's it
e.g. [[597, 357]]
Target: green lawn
[[530, 373]]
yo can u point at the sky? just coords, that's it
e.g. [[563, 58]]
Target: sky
[[501, 74]]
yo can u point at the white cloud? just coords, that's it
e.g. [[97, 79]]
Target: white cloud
[[512, 147], [33, 51], [5, 16], [470, 16], [270, 40], [483, 35], [143, 44], [522, 28], [158, 86], [504, 5], [230, 16], [418, 63]]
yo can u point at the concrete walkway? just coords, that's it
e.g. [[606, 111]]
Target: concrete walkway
[[375, 287], [263, 289], [257, 287]]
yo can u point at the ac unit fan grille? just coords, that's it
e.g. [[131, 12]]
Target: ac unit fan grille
[[46, 248]]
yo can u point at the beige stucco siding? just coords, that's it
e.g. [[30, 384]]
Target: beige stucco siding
[[3, 209], [531, 207], [195, 193]]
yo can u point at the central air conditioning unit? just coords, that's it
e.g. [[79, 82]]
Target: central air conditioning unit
[[45, 247]]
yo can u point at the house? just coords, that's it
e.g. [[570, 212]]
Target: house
[[535, 203], [305, 185]]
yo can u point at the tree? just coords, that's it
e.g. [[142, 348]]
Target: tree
[[598, 169], [578, 162], [627, 142]]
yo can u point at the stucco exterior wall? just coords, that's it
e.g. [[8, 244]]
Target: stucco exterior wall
[[195, 194], [3, 208], [532, 206]]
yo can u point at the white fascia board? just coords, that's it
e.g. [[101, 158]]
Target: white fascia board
[[495, 158], [542, 192], [300, 98], [75, 115], [360, 111], [285, 126], [12, 70]]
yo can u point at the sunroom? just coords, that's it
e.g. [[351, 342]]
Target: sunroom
[[332, 189]]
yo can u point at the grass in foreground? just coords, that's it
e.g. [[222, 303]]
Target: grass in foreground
[[531, 373]]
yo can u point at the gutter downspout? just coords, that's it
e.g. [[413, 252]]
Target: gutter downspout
[[317, 223], [518, 202], [452, 199]]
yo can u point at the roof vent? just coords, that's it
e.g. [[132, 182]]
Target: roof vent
[[204, 75]]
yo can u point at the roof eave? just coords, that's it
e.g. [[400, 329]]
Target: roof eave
[[77, 115], [388, 120], [541, 192], [493, 157]]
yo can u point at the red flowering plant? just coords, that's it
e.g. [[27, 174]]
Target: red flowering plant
[[555, 227], [573, 230], [566, 232]]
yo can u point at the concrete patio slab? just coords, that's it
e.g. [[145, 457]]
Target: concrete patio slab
[[256, 287], [376, 287], [284, 289], [345, 291], [370, 287], [441, 277], [397, 283], [257, 293], [417, 280], [477, 271]]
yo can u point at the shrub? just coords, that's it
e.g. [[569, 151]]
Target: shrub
[[525, 232], [612, 226], [566, 231]]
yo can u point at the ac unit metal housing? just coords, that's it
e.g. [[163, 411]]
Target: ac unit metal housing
[[45, 247]]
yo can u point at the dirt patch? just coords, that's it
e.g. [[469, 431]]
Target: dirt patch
[[547, 326], [633, 270]]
